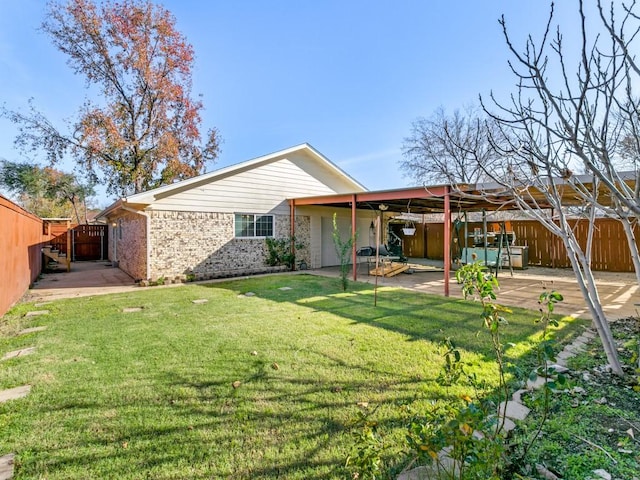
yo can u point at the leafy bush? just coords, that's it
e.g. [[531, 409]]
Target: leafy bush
[[280, 251], [365, 460]]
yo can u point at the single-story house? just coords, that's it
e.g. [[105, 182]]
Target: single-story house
[[215, 224]]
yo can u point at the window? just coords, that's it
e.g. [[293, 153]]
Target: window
[[251, 225]]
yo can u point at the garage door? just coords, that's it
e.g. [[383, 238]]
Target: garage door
[[329, 255]]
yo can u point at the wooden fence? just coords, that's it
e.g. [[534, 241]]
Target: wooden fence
[[87, 242], [58, 235], [21, 239], [610, 251]]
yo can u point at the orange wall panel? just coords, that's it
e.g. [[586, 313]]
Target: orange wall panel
[[21, 240]]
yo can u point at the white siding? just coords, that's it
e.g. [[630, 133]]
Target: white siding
[[315, 241], [260, 189], [329, 255], [322, 251]]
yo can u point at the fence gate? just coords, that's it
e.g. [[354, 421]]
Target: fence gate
[[89, 242]]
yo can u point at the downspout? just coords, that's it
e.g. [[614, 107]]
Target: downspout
[[447, 240], [354, 248], [292, 213], [148, 266], [115, 243]]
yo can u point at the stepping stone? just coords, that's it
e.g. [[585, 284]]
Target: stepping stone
[[36, 313], [565, 354], [42, 304], [19, 353], [513, 410], [561, 362], [14, 393], [589, 334], [573, 348], [537, 383], [558, 368], [418, 473], [517, 395], [446, 464], [6, 466], [249, 294], [32, 330], [602, 473], [284, 288], [583, 339], [131, 309], [508, 425], [200, 301]]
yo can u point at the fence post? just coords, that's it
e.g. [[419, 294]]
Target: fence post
[[69, 252]]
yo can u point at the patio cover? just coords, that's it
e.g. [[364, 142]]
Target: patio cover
[[460, 198]]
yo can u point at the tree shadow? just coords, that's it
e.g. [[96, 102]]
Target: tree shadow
[[416, 316]]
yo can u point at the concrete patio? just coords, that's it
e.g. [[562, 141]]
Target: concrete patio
[[619, 292], [84, 279]]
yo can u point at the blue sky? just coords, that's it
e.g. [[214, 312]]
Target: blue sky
[[347, 76]]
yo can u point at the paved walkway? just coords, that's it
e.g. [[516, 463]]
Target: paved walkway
[[84, 279]]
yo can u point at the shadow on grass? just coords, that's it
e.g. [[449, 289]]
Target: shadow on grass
[[260, 418], [414, 315], [177, 413]]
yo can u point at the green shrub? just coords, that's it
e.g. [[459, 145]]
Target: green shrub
[[280, 251]]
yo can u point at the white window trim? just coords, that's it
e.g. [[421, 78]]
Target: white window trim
[[273, 225]]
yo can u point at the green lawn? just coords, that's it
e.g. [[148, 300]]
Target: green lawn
[[149, 394]]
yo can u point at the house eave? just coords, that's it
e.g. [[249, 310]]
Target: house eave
[[148, 197]]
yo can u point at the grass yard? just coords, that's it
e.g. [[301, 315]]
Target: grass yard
[[241, 387]]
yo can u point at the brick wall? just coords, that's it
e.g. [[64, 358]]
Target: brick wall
[[202, 244], [303, 237], [128, 243]]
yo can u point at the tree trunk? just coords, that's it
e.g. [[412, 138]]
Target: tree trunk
[[75, 209], [587, 285], [633, 246]]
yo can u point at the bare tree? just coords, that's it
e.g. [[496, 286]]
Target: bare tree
[[449, 148], [565, 119]]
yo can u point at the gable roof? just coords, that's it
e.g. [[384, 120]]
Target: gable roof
[[148, 197]]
